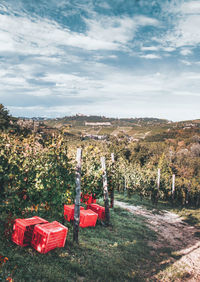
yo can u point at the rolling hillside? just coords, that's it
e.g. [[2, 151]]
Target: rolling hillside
[[150, 129]]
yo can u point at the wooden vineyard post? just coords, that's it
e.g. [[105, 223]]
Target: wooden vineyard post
[[105, 191], [173, 186], [158, 179], [112, 191], [77, 197], [125, 184], [187, 195], [118, 182], [158, 188]]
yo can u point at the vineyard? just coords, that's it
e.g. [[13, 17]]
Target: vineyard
[[38, 173]]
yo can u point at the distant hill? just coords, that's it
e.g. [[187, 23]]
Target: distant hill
[[101, 127], [150, 129], [80, 120]]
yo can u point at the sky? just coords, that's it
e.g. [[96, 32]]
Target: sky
[[117, 58]]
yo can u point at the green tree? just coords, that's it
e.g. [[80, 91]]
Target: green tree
[[4, 117]]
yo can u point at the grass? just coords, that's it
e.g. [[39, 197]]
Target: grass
[[190, 215], [116, 253], [168, 271], [106, 130], [119, 252], [134, 199]]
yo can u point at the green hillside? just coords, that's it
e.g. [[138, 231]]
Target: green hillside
[[150, 129]]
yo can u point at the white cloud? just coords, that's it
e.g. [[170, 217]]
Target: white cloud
[[112, 57], [185, 52], [113, 30], [116, 31], [58, 75], [187, 63], [40, 36], [186, 22], [116, 92], [168, 49], [104, 57], [158, 47], [187, 32], [22, 34], [30, 36], [104, 5], [150, 56], [192, 7], [70, 82], [124, 94], [146, 21], [150, 48], [185, 83]]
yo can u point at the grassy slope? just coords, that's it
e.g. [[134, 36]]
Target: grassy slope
[[152, 130], [116, 253], [164, 269]]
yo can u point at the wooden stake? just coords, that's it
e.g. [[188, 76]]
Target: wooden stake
[[78, 195], [158, 180], [105, 191], [112, 158], [173, 185], [125, 183], [112, 191], [156, 196]]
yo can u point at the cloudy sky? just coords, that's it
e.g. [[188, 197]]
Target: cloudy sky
[[119, 58]]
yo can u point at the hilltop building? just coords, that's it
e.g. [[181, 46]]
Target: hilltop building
[[97, 123]]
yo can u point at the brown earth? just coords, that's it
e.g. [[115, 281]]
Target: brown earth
[[172, 232]]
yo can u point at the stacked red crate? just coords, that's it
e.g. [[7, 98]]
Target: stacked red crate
[[23, 229], [88, 198], [88, 218], [69, 212], [98, 209], [49, 236]]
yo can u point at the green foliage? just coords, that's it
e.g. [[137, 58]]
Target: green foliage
[[9, 123], [34, 175], [37, 172], [4, 117], [91, 171]]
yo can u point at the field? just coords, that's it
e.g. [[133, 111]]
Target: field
[[99, 256], [130, 249], [141, 129]]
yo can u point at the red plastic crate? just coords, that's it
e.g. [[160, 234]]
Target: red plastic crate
[[23, 230], [98, 209], [47, 237], [88, 199], [94, 200], [69, 212], [88, 218]]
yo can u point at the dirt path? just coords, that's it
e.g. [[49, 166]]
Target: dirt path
[[172, 233]]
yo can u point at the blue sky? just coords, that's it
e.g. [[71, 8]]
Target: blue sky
[[118, 58]]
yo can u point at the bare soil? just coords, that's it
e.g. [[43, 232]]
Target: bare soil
[[183, 262]]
